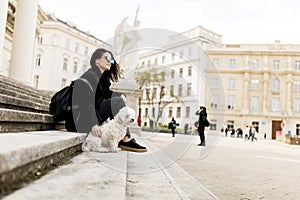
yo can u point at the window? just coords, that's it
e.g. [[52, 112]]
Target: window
[[75, 67], [297, 129], [189, 89], [231, 83], [213, 124], [255, 84], [180, 90], [275, 104], [147, 93], [67, 43], [230, 124], [190, 71], [214, 101], [178, 112], [154, 93], [155, 61], [149, 62], [36, 81], [172, 90], [153, 112], [254, 103], [163, 59], [84, 67], [173, 56], [297, 105], [215, 83], [40, 40], [146, 112], [255, 64], [38, 60], [180, 72], [275, 84], [216, 62], [181, 53], [232, 63], [76, 47], [170, 111], [276, 64], [297, 86], [65, 64], [231, 102], [187, 112], [63, 82], [172, 73], [297, 64]]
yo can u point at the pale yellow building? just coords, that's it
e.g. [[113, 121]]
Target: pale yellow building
[[261, 83]]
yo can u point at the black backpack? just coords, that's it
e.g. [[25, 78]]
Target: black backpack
[[61, 102]]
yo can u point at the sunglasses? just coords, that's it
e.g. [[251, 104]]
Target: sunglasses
[[109, 59]]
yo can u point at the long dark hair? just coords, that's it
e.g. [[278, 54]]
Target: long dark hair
[[114, 73]]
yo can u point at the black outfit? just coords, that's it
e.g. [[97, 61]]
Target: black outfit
[[173, 127], [93, 107], [201, 126]]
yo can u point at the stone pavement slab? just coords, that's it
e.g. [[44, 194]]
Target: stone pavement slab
[[18, 149], [123, 175], [87, 176]]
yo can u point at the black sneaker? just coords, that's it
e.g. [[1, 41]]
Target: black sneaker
[[131, 145]]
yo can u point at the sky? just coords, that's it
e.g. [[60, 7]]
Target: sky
[[238, 21]]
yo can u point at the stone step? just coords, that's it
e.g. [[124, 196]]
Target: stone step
[[22, 103], [123, 175], [13, 85], [27, 155], [20, 121]]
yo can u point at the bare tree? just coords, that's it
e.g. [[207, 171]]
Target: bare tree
[[155, 80]]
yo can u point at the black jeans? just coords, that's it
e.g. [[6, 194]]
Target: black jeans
[[109, 109], [201, 134]]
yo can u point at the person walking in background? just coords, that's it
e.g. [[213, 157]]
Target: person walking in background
[[139, 120], [173, 126], [247, 132], [202, 121], [253, 132]]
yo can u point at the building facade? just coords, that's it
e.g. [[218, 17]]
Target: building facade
[[179, 70], [57, 51], [261, 83], [240, 84], [62, 54]]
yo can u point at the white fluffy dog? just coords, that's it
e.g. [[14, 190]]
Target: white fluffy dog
[[112, 132]]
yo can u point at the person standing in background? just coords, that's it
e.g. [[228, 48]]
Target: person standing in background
[[202, 121], [173, 126], [139, 120]]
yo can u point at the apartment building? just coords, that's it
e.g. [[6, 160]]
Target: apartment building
[[261, 83], [57, 53], [181, 89], [62, 54]]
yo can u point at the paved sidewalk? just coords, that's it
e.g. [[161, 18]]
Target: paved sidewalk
[[123, 175]]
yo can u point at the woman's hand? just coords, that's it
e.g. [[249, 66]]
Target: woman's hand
[[96, 131]]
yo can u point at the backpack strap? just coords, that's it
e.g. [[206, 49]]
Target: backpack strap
[[88, 83], [95, 79]]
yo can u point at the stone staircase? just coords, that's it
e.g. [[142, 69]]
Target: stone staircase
[[39, 162], [24, 108], [30, 142]]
